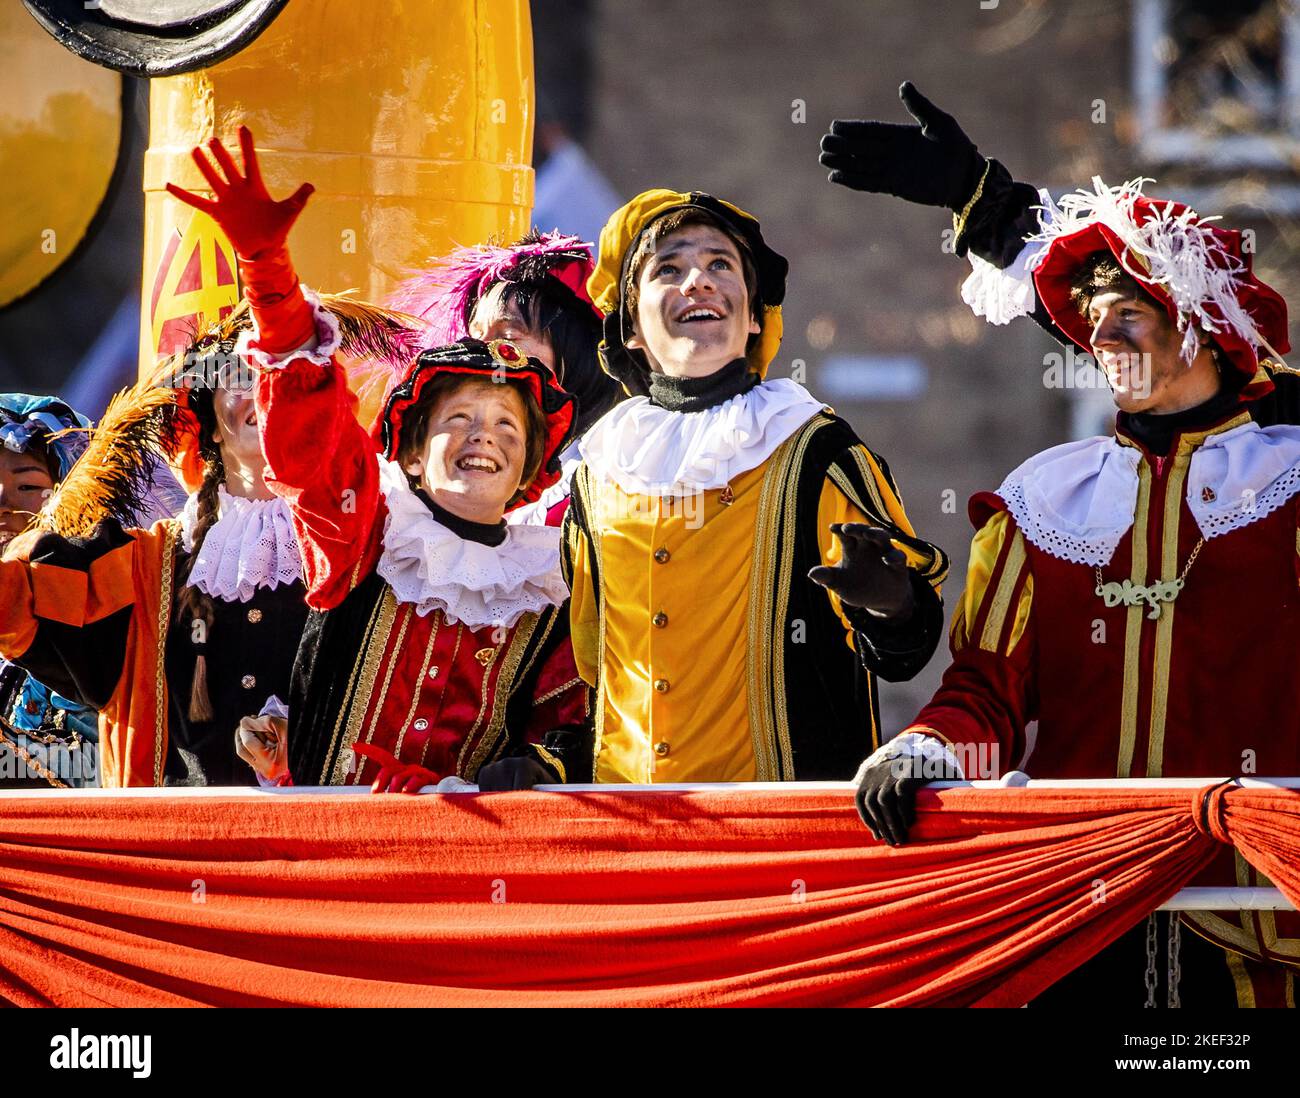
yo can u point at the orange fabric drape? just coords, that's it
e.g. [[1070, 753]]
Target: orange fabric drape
[[762, 897]]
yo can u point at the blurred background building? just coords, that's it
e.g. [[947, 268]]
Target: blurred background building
[[732, 97]]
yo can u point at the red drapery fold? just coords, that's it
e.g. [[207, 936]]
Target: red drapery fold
[[762, 897]]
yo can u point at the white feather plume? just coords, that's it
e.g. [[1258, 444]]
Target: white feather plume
[[1181, 251]]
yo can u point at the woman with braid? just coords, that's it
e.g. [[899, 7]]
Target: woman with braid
[[175, 632]]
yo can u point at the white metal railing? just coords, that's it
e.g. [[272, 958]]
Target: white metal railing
[[1188, 899]]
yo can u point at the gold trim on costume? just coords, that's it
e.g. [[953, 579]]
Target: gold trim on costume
[[769, 594], [996, 617], [1165, 623], [789, 506], [592, 536], [551, 760], [364, 672], [419, 686], [959, 219], [324, 778], [523, 631], [1241, 979], [408, 612], [160, 670], [557, 691], [1133, 628]]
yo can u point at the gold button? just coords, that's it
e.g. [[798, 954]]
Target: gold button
[[659, 620], [248, 682], [484, 655], [255, 616], [662, 555], [661, 685], [661, 749]]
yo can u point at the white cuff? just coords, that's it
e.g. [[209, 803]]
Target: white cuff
[[910, 745], [274, 707], [318, 350]]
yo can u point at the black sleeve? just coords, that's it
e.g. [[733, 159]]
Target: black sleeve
[[574, 744], [83, 662], [893, 651], [997, 226]]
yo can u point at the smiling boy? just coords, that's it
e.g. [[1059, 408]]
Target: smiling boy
[[707, 511], [438, 645]]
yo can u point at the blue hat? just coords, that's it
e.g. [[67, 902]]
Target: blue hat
[[25, 420]]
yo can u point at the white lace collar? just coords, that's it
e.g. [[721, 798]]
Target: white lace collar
[[1077, 501], [650, 451], [433, 568], [251, 545]]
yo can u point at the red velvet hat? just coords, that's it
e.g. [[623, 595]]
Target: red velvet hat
[[1199, 272], [499, 360]]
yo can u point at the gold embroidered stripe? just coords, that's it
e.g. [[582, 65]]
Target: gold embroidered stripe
[[1165, 623], [357, 703], [996, 617], [419, 685], [160, 669], [1133, 629]]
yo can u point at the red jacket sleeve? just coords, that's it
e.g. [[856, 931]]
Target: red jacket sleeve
[[988, 694], [322, 461]]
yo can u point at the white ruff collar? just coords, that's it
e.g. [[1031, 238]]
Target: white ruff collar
[[251, 545], [1077, 501], [647, 450], [433, 568]]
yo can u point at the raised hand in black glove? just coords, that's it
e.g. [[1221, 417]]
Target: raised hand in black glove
[[933, 164], [887, 783], [872, 574], [506, 775]]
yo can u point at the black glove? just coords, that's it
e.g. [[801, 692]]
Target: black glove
[[886, 793], [872, 575], [933, 164], [507, 775]]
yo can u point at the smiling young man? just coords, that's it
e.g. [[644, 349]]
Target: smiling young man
[[438, 646], [1136, 596], [707, 511]]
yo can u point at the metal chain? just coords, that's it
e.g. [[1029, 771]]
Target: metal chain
[[1151, 976], [1175, 960], [1191, 559]]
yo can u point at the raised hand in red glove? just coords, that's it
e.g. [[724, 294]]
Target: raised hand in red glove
[[394, 776], [258, 226]]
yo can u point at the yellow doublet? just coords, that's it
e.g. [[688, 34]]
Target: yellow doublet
[[672, 666]]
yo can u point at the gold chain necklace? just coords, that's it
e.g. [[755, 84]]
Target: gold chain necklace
[[1153, 595]]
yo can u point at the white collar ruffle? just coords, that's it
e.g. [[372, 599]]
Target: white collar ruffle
[[1077, 501], [433, 568], [650, 451], [251, 545]]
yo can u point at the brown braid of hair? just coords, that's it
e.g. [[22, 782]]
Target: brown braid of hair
[[190, 601]]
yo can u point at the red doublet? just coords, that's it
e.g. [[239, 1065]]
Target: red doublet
[[434, 693], [1208, 688]]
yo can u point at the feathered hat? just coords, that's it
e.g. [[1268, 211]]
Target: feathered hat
[[608, 282], [444, 295], [1198, 271], [156, 417], [376, 337], [498, 361]]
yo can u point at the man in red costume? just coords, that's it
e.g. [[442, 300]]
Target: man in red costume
[[439, 643], [1117, 584]]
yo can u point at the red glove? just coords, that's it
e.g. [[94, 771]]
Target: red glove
[[257, 225], [394, 776]]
